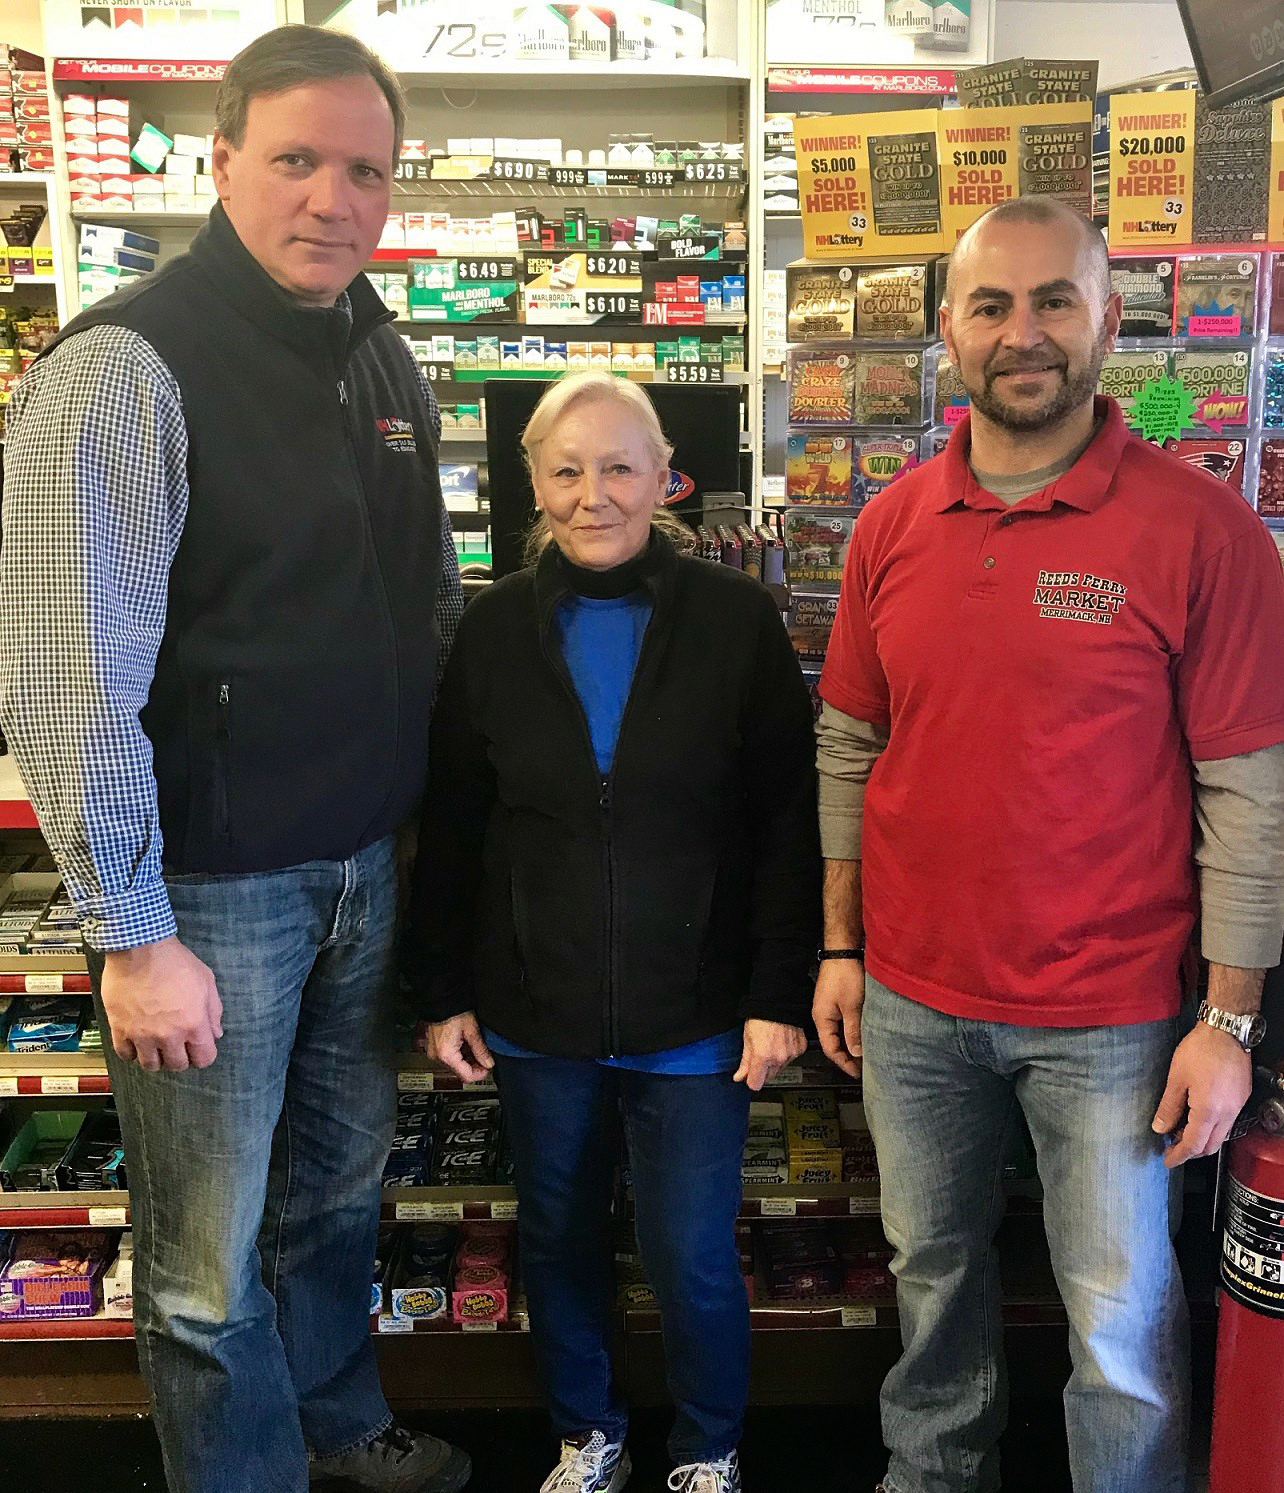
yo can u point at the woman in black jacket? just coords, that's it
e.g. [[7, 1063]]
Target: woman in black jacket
[[616, 907]]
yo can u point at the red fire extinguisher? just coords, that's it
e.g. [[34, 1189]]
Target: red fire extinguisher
[[1248, 1400]]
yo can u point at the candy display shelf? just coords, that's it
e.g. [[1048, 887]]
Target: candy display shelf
[[50, 1075], [64, 1210]]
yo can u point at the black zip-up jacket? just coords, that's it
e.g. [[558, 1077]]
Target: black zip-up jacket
[[289, 708], [588, 916]]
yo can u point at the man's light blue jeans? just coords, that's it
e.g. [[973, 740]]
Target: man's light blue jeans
[[255, 1183], [942, 1096]]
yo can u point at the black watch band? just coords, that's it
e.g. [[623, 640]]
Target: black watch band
[[823, 954]]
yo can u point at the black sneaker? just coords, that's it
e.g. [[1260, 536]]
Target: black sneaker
[[396, 1461]]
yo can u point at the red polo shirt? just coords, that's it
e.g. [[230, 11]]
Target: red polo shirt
[[1046, 672]]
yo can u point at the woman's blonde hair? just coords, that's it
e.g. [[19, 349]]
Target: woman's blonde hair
[[560, 398]]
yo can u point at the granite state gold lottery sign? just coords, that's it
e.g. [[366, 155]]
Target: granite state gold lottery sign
[[869, 184]]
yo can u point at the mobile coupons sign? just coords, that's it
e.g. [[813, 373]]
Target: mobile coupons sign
[[1152, 162]]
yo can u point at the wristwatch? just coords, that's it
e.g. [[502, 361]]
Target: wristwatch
[[1248, 1029], [823, 954]]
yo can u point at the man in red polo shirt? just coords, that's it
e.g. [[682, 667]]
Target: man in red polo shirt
[[1059, 665]]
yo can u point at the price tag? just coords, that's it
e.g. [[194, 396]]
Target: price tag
[[779, 1207], [502, 169], [862, 1207], [413, 171], [430, 1212], [615, 264], [413, 1081], [438, 373], [791, 1077], [396, 1324], [504, 1209], [60, 1083], [612, 305], [485, 1084], [485, 269], [693, 373], [479, 1326], [107, 1218], [567, 176], [724, 171], [657, 176], [6, 282], [8, 1087], [859, 1316], [43, 984]]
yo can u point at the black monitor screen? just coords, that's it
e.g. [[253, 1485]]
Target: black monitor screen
[[1238, 46], [703, 425]]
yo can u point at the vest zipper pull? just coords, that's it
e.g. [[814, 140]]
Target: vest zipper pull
[[343, 392]]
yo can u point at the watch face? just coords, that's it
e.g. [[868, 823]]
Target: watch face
[[1256, 1031]]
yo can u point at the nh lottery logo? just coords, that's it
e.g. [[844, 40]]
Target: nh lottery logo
[[398, 434]]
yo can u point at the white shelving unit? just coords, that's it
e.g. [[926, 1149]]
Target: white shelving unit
[[30, 186]]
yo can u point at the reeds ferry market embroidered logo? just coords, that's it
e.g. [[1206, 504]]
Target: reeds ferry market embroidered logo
[[398, 435], [1078, 596]]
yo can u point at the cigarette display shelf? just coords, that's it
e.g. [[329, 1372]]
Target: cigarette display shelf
[[480, 375], [506, 73], [643, 184], [49, 1075]]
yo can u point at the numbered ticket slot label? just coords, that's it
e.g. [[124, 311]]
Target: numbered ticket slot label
[[1152, 160]]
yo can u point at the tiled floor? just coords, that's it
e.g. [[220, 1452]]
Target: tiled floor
[[785, 1451]]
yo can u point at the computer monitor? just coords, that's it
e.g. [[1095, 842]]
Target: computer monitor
[[1237, 46], [703, 424]]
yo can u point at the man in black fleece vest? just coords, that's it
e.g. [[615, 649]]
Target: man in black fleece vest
[[226, 586]]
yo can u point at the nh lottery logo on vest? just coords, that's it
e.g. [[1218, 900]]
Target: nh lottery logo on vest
[[398, 434], [1079, 596]]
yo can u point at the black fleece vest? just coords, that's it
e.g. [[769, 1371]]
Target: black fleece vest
[[289, 711]]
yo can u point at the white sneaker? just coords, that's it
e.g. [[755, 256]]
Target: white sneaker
[[722, 1476], [599, 1466]]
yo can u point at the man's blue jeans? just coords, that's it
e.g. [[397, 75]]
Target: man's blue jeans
[[686, 1136], [255, 1183], [941, 1096]]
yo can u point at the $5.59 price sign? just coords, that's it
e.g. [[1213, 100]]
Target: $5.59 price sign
[[692, 373]]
